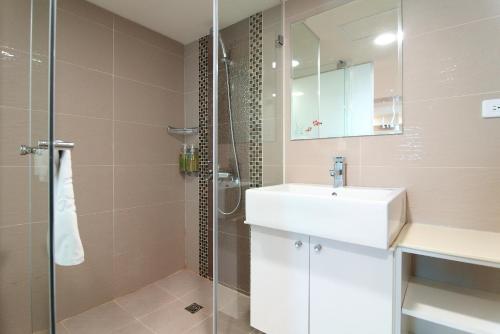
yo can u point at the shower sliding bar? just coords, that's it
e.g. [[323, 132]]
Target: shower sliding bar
[[59, 145]]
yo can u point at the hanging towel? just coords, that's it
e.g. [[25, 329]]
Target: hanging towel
[[68, 248], [41, 165]]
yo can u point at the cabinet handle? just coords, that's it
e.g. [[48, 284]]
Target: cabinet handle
[[317, 248], [298, 244]]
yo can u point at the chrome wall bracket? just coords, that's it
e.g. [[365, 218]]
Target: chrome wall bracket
[[44, 145]]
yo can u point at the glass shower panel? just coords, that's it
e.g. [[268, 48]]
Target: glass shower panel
[[24, 179], [40, 125], [249, 144]]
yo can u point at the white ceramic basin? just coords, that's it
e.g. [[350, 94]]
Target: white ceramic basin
[[365, 216]]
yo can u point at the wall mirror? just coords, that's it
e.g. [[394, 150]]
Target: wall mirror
[[346, 71]]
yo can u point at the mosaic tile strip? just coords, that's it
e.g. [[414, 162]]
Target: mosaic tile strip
[[255, 100], [204, 106]]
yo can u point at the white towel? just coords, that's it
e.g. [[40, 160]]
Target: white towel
[[41, 165], [68, 248]]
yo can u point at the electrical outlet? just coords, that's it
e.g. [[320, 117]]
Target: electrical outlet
[[491, 108]]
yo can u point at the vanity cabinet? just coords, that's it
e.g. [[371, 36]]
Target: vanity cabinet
[[350, 288], [279, 281], [302, 284]]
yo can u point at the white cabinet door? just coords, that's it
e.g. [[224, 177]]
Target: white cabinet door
[[279, 281], [350, 289]]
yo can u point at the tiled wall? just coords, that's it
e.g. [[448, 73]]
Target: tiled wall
[[191, 111], [448, 157], [118, 87]]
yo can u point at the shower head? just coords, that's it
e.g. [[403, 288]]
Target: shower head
[[224, 54]]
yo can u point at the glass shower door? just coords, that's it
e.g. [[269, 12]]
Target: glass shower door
[[25, 109], [247, 143]]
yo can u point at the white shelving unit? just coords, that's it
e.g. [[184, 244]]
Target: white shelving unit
[[462, 309], [457, 308]]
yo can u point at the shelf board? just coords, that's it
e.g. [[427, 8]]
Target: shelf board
[[182, 131], [482, 247], [467, 310]]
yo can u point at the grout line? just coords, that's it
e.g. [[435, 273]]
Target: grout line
[[162, 50], [483, 19], [86, 18], [113, 29], [150, 84], [119, 165], [147, 206], [114, 75], [441, 98]]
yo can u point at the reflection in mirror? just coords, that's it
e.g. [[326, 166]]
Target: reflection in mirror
[[346, 71]]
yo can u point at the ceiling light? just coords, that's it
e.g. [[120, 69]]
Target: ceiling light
[[385, 39], [273, 64], [295, 63], [297, 93]]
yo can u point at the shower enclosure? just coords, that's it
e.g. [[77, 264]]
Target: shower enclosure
[[158, 243], [26, 109], [248, 149]]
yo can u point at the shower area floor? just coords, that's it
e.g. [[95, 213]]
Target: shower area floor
[[159, 308]]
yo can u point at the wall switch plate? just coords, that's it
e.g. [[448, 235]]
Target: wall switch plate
[[491, 108]]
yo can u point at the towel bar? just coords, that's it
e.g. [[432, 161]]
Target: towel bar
[[44, 144]]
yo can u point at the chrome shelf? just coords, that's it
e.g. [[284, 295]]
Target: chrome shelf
[[182, 131]]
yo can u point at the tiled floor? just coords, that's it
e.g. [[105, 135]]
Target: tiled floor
[[159, 309]]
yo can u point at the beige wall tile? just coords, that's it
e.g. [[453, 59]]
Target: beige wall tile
[[319, 174], [137, 102], [234, 261], [16, 308], [15, 18], [143, 62], [93, 186], [272, 175], [424, 16], [191, 49], [143, 144], [135, 30], [93, 139], [137, 185], [91, 283], [192, 235], [84, 42], [14, 247], [88, 11], [13, 132], [465, 64], [191, 72], [459, 197], [14, 81], [322, 151], [13, 196], [145, 229], [84, 92], [439, 133], [191, 110]]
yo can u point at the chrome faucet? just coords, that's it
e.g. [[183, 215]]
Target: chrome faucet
[[338, 172]]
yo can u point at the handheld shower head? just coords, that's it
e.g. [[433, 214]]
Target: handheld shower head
[[224, 54]]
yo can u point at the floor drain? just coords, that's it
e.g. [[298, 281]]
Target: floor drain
[[193, 308]]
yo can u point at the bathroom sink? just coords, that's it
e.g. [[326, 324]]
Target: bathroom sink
[[360, 215]]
